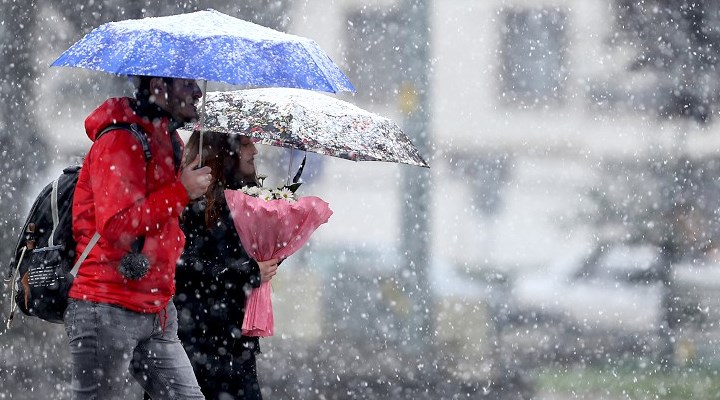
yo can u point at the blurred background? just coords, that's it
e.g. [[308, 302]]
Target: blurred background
[[563, 245]]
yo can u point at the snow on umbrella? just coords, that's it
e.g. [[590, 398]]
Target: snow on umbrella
[[309, 121], [210, 46]]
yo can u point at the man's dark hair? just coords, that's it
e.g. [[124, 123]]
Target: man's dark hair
[[142, 87]]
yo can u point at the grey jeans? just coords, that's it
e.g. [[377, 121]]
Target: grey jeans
[[107, 342]]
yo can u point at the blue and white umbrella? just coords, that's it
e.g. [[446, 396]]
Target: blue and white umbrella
[[210, 46]]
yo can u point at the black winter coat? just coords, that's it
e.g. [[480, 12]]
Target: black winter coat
[[213, 277]]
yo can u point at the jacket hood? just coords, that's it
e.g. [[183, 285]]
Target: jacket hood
[[112, 111], [121, 110]]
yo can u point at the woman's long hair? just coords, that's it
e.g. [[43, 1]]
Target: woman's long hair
[[220, 154]]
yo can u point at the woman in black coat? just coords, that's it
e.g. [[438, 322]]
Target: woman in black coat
[[215, 275]]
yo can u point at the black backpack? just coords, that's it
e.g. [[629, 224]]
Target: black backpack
[[42, 267]]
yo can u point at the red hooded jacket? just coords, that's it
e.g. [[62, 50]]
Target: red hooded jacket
[[122, 197]]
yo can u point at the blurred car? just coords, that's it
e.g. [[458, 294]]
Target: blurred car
[[589, 306]]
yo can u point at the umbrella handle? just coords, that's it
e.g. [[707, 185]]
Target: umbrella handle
[[298, 174], [202, 121], [292, 153]]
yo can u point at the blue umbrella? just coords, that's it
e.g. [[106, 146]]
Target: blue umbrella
[[210, 46]]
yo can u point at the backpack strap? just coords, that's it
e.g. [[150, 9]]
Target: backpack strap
[[13, 289], [84, 254], [54, 211], [136, 131]]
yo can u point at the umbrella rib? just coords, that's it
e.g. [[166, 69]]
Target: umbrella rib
[[312, 54]]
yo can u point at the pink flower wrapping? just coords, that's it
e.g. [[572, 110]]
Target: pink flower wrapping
[[271, 229]]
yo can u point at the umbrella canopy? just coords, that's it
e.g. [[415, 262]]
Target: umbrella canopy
[[309, 121], [207, 45]]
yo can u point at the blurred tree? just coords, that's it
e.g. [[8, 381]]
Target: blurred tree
[[23, 154], [22, 148], [678, 42], [670, 204]]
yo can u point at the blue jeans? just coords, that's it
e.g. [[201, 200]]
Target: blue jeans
[[107, 342]]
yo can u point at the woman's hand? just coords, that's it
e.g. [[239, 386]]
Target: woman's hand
[[268, 269]]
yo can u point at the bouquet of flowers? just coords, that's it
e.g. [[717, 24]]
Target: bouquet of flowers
[[271, 223]]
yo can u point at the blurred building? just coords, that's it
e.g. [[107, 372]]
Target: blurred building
[[532, 112], [530, 101]]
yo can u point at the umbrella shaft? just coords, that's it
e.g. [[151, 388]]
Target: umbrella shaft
[[202, 121], [292, 153]]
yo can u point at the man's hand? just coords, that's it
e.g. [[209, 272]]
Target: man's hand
[[196, 181], [268, 269]]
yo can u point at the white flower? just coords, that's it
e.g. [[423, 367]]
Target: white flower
[[281, 193], [285, 194], [265, 195], [252, 190]]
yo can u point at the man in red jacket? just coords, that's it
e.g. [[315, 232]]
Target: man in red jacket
[[117, 323]]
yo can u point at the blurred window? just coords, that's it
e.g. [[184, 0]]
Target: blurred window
[[485, 175], [533, 44]]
